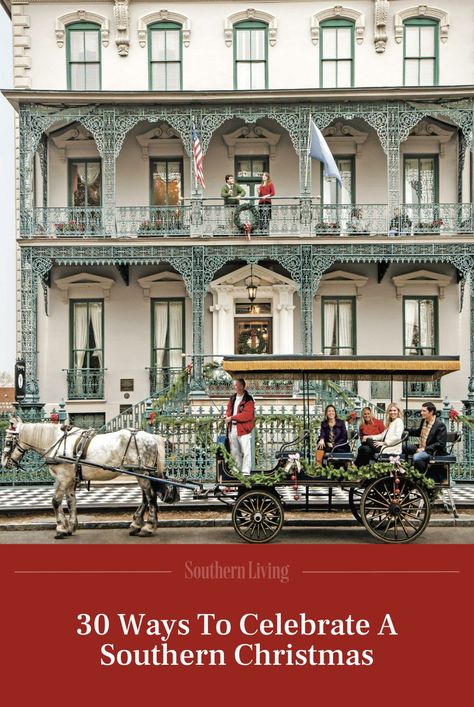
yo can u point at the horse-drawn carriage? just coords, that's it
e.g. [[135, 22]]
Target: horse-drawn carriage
[[392, 501]]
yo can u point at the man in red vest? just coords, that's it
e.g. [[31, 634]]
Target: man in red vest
[[240, 421]]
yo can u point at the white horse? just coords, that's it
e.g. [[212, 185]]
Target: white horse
[[141, 451]]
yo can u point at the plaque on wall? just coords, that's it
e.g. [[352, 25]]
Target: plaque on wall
[[126, 384]]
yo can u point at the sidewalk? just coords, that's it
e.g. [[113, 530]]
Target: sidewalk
[[127, 495]]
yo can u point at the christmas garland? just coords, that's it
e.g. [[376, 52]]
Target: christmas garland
[[253, 213], [320, 473], [245, 348]]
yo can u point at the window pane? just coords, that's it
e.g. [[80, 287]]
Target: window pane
[[92, 72], [412, 41], [427, 72], [158, 45], [78, 77], [258, 166], [412, 182], [329, 74], [243, 76], [427, 41], [172, 45], [329, 43], [343, 74], [173, 82], [92, 45], [243, 44], [411, 72], [244, 168], [427, 328], [344, 44], [258, 44], [76, 46], [158, 77], [258, 75]]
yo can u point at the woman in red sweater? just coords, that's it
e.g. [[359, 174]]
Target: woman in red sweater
[[265, 192], [369, 426]]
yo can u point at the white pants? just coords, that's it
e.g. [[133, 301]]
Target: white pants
[[241, 450]]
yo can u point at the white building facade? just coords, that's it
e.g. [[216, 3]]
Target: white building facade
[[129, 268]]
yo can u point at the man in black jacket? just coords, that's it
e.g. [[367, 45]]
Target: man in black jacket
[[433, 437]]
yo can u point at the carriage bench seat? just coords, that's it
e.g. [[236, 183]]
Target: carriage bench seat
[[286, 453]]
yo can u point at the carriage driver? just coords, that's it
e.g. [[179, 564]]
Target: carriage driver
[[240, 421]]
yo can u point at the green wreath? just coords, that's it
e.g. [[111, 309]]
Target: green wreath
[[245, 348], [253, 213]]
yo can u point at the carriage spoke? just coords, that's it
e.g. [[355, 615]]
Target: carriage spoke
[[257, 516]]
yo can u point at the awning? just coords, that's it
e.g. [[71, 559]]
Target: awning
[[401, 368]]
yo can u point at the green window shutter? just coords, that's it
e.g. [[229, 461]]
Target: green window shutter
[[83, 56], [165, 56], [420, 52], [336, 54], [250, 56]]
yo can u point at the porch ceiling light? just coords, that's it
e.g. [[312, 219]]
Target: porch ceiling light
[[251, 286]]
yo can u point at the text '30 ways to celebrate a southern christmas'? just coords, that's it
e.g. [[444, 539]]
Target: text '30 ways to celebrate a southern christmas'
[[302, 640]]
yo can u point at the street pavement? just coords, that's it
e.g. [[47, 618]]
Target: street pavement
[[225, 535]]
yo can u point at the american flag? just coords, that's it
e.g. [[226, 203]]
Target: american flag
[[197, 152]]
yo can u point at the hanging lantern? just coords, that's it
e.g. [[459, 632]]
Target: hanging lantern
[[251, 286]]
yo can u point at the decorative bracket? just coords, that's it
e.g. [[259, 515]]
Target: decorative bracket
[[421, 11], [122, 38], [338, 12], [249, 15], [81, 16], [164, 16]]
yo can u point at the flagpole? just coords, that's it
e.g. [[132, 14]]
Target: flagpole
[[307, 154], [193, 171]]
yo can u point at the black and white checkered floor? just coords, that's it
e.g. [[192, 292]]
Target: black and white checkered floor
[[128, 495]]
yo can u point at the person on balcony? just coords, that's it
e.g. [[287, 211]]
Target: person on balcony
[[333, 432], [433, 438], [240, 421], [369, 426], [400, 225], [265, 192], [391, 437], [232, 194]]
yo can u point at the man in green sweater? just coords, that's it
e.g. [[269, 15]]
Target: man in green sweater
[[231, 193]]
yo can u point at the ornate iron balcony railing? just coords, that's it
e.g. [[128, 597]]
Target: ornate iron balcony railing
[[162, 378], [68, 222], [287, 216], [85, 383], [418, 219], [159, 221]]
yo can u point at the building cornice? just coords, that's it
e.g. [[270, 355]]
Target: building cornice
[[291, 96]]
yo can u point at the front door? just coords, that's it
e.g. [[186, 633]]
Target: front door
[[253, 336]]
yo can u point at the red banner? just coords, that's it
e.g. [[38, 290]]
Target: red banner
[[236, 624]]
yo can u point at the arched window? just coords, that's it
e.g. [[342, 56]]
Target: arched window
[[250, 55], [336, 53], [165, 56], [83, 56], [420, 52]]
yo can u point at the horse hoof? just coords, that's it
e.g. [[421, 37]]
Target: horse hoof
[[61, 534], [144, 533], [134, 530]]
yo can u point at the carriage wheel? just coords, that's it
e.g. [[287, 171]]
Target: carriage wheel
[[257, 516], [395, 517], [355, 496]]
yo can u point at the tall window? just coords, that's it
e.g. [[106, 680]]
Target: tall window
[[83, 56], [420, 189], [333, 193], [420, 316], [166, 181], [420, 337], [338, 326], [165, 56], [168, 341], [420, 52], [337, 54], [85, 183], [250, 55], [248, 171]]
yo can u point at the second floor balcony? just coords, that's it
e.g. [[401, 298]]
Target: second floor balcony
[[287, 217]]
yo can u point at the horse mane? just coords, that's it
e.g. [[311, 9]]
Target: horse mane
[[40, 435]]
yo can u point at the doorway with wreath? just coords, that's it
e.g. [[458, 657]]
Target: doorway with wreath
[[253, 336]]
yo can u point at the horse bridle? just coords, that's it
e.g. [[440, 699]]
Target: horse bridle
[[12, 442]]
